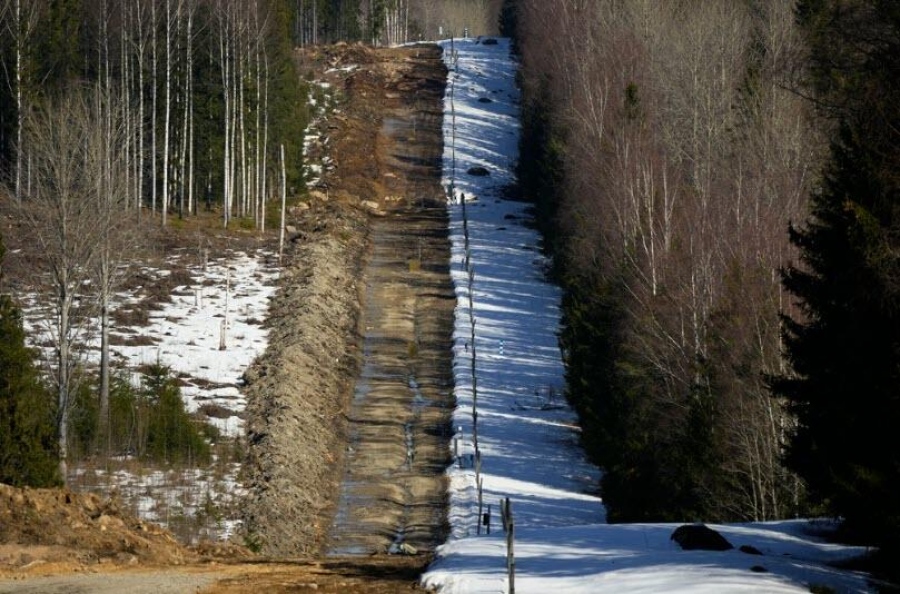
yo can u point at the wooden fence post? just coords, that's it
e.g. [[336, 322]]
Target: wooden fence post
[[480, 484], [510, 552]]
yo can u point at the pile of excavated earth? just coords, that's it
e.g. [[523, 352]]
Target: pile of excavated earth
[[39, 526]]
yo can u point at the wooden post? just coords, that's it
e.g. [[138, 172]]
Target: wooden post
[[510, 552], [227, 292], [283, 202], [504, 513], [480, 496]]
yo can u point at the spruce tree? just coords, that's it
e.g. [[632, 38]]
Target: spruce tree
[[845, 347], [27, 424], [845, 351]]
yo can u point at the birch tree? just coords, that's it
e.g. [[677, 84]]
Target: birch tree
[[22, 19], [675, 157], [60, 213], [107, 161]]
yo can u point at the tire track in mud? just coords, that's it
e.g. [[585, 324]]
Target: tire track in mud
[[393, 491]]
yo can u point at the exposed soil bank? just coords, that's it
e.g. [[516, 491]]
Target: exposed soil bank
[[386, 143], [297, 389]]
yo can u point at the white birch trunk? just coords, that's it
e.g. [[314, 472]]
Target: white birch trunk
[[225, 57], [258, 174], [20, 105], [283, 203], [154, 60], [263, 171], [167, 114], [190, 109]]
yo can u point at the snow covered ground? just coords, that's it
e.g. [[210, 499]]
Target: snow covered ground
[[185, 333], [526, 437]]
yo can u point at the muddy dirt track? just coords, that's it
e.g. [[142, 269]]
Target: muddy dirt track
[[393, 490], [355, 388], [349, 407]]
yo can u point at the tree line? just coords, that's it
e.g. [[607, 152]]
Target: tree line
[[206, 89], [204, 92], [670, 156], [724, 368], [390, 22]]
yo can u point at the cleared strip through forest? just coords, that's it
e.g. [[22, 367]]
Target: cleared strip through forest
[[393, 491]]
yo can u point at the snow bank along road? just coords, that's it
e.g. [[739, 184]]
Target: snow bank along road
[[507, 317]]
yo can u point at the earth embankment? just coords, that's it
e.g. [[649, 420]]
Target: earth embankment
[[384, 141]]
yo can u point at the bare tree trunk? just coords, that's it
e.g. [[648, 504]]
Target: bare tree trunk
[[225, 40], [24, 22], [241, 132], [167, 113], [142, 112], [263, 170], [105, 280], [104, 112], [259, 174], [190, 107], [20, 104], [66, 143], [64, 303], [154, 66], [283, 203]]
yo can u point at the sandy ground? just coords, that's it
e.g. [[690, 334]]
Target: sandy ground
[[376, 574]]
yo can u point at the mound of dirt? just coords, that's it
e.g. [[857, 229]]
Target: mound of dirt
[[56, 525], [297, 389]]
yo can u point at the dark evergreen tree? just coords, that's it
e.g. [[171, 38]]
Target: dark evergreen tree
[[288, 102], [28, 455], [508, 20], [171, 435], [845, 348]]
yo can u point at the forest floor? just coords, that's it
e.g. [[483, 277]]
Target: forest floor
[[384, 199]]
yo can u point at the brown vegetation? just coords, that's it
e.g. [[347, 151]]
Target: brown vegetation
[[681, 155]]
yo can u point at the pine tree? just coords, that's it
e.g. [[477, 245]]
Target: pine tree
[[27, 425]]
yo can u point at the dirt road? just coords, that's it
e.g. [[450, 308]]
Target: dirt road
[[371, 574], [393, 490]]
